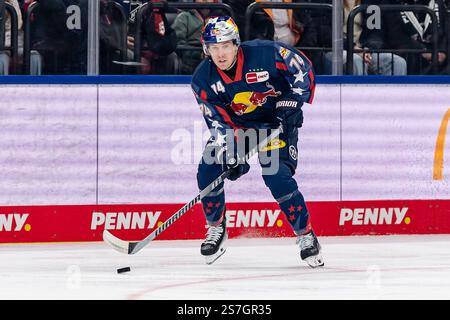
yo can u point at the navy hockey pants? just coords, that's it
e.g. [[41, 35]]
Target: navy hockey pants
[[281, 184]]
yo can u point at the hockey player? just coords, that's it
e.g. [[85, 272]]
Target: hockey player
[[257, 84]]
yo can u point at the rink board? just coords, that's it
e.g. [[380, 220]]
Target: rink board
[[68, 151], [135, 222]]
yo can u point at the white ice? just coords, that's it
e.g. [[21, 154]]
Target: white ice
[[366, 267]]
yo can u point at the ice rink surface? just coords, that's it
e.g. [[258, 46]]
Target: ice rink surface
[[366, 267]]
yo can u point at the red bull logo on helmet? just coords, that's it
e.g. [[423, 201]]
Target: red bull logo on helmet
[[248, 101]]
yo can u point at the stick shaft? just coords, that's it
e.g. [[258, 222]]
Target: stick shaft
[[134, 247]]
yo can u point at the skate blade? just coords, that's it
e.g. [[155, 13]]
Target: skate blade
[[315, 261], [210, 259]]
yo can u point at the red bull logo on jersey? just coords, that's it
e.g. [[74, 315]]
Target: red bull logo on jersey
[[247, 102]]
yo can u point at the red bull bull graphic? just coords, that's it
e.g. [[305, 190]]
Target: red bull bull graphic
[[247, 102]]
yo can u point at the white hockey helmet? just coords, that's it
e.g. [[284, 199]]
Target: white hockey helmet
[[219, 29]]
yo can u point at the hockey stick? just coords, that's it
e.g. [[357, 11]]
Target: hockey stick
[[131, 247]]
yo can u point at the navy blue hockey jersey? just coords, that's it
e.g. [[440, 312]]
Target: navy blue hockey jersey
[[266, 70]]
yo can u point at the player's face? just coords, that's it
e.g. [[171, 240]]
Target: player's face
[[223, 54]]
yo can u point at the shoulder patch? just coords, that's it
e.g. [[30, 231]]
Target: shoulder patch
[[284, 53]]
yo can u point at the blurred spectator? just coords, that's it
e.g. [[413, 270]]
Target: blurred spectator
[[297, 27], [286, 27], [158, 42], [59, 37], [261, 24], [188, 26], [413, 30], [16, 6], [316, 32], [370, 39], [294, 26], [126, 5], [6, 55], [112, 39], [307, 26]]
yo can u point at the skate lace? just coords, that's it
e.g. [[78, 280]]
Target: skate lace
[[213, 234], [305, 241]]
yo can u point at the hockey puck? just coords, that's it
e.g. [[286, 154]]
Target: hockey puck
[[122, 270]]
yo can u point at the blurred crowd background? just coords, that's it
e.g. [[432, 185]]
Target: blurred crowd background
[[50, 37]]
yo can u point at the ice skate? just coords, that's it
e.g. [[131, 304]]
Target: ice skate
[[214, 245], [310, 249]]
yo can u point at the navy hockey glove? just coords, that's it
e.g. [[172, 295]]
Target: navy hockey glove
[[216, 149], [289, 110], [237, 168]]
